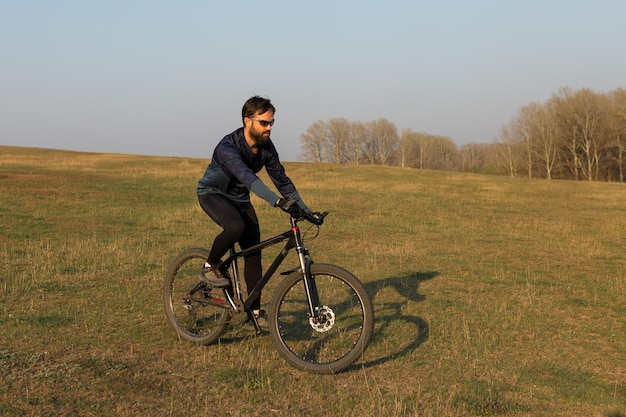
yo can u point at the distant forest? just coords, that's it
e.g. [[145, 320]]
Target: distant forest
[[575, 135]]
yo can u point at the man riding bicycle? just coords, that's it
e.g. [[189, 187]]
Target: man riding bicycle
[[224, 193]]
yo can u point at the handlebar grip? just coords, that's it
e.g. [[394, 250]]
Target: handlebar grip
[[316, 218]]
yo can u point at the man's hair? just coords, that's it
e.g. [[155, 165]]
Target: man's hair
[[256, 105]]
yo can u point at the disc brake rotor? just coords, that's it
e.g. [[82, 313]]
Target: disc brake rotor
[[324, 321]]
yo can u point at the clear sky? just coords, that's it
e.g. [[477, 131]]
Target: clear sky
[[169, 78]]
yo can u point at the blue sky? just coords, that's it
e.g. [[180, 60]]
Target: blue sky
[[169, 78]]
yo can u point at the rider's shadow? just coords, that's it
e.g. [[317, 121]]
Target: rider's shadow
[[397, 330]]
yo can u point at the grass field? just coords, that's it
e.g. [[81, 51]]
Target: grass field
[[493, 296]]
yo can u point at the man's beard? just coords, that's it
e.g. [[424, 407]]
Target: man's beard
[[260, 137]]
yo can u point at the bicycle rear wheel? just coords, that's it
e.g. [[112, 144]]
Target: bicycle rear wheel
[[196, 312], [337, 340]]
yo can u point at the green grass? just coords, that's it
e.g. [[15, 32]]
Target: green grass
[[493, 296]]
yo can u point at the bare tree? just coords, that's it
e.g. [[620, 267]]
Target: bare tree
[[580, 116], [408, 148], [474, 157], [314, 143], [354, 146], [338, 130], [370, 144], [534, 129], [508, 151], [424, 151], [523, 130], [447, 155], [618, 132], [546, 144], [385, 135]]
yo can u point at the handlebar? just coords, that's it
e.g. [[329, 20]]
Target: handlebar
[[296, 213], [316, 218]]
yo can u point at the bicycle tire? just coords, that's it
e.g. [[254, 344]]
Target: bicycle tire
[[201, 316], [335, 348]]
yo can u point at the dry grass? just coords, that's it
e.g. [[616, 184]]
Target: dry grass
[[493, 296]]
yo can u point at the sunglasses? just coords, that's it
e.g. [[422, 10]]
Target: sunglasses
[[264, 123]]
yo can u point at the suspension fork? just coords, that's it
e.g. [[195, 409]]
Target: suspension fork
[[310, 287]]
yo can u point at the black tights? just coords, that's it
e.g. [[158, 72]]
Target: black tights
[[240, 225]]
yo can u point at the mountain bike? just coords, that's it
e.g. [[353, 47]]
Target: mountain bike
[[320, 317]]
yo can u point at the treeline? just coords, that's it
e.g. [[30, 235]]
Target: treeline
[[578, 135]]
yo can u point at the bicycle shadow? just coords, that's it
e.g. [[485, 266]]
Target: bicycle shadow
[[390, 297]]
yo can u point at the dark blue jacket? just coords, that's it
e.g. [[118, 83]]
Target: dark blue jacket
[[233, 168]]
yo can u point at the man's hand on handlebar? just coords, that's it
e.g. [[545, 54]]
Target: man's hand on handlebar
[[289, 206], [316, 218], [294, 210]]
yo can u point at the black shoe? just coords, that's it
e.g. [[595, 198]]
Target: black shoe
[[213, 277]]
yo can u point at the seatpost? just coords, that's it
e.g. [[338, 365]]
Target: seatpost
[[235, 272]]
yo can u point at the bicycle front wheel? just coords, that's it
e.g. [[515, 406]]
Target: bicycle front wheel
[[335, 341], [196, 312]]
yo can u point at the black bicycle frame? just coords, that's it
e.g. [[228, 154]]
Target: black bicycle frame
[[294, 240]]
